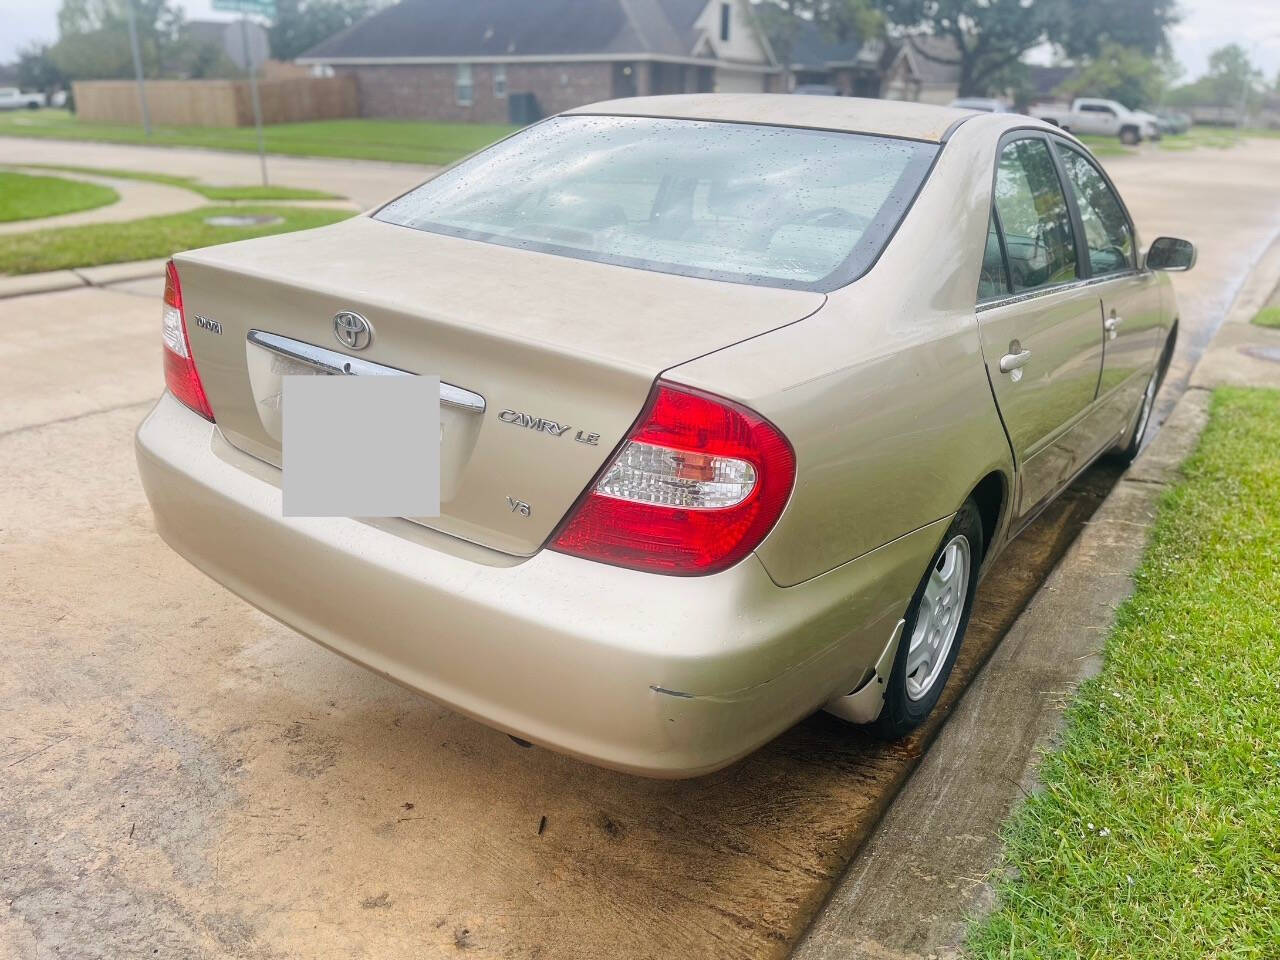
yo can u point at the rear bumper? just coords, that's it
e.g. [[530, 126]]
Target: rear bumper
[[663, 676]]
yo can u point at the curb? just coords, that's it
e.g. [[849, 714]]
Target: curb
[[27, 284], [910, 891]]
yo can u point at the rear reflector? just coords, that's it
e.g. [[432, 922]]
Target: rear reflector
[[180, 374], [696, 486]]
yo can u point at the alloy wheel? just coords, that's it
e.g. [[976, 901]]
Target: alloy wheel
[[938, 617]]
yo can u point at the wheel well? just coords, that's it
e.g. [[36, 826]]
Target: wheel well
[[989, 495]]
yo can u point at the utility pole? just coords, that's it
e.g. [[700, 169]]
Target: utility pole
[[252, 68], [137, 69]]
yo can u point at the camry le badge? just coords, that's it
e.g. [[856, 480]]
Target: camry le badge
[[352, 330], [543, 425]]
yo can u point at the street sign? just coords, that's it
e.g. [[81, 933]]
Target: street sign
[[239, 36], [263, 8]]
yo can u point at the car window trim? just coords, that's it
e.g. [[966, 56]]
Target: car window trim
[[1058, 144], [1045, 291]]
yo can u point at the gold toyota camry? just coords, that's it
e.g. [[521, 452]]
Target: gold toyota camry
[[739, 397]]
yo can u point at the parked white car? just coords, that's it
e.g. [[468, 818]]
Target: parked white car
[[11, 98], [1107, 118]]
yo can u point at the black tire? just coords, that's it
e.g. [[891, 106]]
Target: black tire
[[901, 713], [1142, 418], [1130, 136]]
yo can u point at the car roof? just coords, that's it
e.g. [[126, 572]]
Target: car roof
[[889, 118]]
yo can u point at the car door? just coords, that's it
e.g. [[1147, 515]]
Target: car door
[[1040, 323], [1098, 119], [1132, 309]]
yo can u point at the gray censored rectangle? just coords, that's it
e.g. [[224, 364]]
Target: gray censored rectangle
[[361, 446]]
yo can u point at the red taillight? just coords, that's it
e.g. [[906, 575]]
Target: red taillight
[[180, 374], [695, 487]]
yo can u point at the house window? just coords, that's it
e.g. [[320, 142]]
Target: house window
[[726, 14], [500, 80], [463, 89]]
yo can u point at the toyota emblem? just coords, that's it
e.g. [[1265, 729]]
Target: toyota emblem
[[352, 330]]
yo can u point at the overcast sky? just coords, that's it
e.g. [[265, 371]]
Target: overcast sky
[[1206, 25]]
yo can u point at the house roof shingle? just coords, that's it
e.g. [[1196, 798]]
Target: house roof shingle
[[514, 28], [935, 59]]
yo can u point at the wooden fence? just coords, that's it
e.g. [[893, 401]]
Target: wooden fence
[[216, 103]]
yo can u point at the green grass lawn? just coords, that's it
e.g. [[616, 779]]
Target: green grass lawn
[[1268, 317], [271, 192], [24, 197], [405, 141], [1157, 831], [1106, 146], [145, 239]]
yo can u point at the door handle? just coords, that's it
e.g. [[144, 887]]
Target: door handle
[[1014, 361]]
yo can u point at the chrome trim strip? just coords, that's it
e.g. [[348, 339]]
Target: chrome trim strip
[[1056, 288], [333, 362]]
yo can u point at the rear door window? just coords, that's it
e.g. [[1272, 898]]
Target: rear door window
[[1039, 239]]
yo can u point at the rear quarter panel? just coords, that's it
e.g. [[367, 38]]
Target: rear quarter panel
[[883, 392]]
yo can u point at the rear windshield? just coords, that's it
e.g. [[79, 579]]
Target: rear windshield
[[776, 206]]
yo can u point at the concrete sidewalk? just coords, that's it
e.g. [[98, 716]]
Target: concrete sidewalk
[[138, 198], [366, 182], [909, 892]]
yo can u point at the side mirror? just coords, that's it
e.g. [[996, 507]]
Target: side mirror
[[1172, 254]]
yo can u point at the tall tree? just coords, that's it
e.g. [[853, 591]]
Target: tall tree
[[1232, 80], [301, 24], [1086, 27], [990, 36], [37, 71], [1119, 73], [94, 39]]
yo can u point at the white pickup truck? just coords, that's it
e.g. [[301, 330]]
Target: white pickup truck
[[11, 98], [1108, 118]]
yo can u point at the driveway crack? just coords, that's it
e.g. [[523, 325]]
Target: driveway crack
[[78, 416]]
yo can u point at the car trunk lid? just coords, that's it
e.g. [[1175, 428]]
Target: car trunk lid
[[563, 352]]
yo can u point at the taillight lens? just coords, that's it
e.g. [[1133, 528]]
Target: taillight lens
[[696, 486], [180, 374]]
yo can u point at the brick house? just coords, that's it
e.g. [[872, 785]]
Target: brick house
[[469, 60]]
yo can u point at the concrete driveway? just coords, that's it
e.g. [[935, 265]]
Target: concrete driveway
[[184, 777]]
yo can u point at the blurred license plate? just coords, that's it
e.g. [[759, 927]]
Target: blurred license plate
[[360, 446]]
